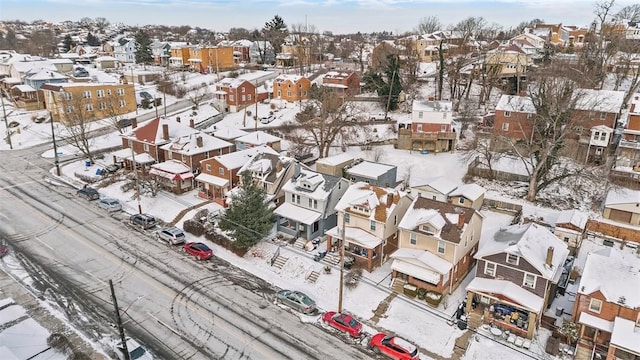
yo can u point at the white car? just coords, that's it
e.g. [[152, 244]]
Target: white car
[[267, 119], [136, 351], [110, 205]]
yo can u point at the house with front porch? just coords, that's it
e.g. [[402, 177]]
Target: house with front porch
[[192, 148], [368, 217], [431, 127], [436, 243], [309, 204], [518, 271], [219, 174], [271, 171], [234, 94], [607, 305], [173, 175]]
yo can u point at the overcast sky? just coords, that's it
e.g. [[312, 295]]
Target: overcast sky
[[338, 16]]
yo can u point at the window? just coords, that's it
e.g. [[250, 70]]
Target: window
[[86, 94], [420, 114], [100, 93], [310, 202], [441, 247], [505, 126], [297, 199], [603, 136], [490, 268], [208, 167], [88, 107], [395, 219], [220, 171], [507, 114], [249, 97], [595, 305], [529, 280], [443, 128], [413, 238], [512, 259], [603, 116], [108, 91], [66, 96], [461, 200], [122, 103], [289, 93], [120, 91], [529, 116], [102, 106], [169, 155], [243, 90], [419, 127], [372, 226], [69, 109], [346, 218], [315, 204], [230, 97]]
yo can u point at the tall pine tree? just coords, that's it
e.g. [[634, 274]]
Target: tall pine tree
[[248, 218], [143, 48]]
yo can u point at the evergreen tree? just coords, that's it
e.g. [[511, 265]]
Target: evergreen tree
[[143, 48], [275, 31], [392, 87], [92, 40], [248, 218], [68, 43], [11, 39]]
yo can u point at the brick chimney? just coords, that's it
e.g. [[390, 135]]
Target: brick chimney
[[192, 123], [460, 221], [389, 200], [178, 118], [199, 141], [134, 123], [165, 132], [549, 261]]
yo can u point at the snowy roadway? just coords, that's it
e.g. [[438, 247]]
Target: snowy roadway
[[179, 307]]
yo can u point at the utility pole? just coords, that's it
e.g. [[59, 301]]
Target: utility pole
[[342, 244], [386, 110], [6, 123], [135, 171], [133, 82], [53, 134], [119, 322]]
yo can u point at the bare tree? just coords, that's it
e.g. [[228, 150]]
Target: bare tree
[[150, 186], [197, 94], [429, 24], [480, 153], [113, 113], [360, 46], [101, 24], [629, 12], [78, 115]]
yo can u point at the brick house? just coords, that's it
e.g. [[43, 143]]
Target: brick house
[[344, 83], [436, 243], [607, 305], [192, 148], [430, 127], [291, 87], [370, 215], [514, 117], [233, 94], [149, 137], [516, 277]]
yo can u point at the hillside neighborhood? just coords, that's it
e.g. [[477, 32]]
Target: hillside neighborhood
[[473, 191]]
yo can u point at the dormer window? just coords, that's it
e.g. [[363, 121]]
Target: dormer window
[[428, 229], [513, 259]]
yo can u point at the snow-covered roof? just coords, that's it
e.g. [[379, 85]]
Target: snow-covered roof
[[336, 159], [172, 166], [237, 159], [226, 133], [625, 335], [12, 80], [531, 242], [595, 322], [469, 191], [369, 169], [211, 179], [433, 106], [508, 289], [423, 258], [374, 198], [105, 58], [288, 77], [441, 184], [573, 217], [622, 196], [297, 213], [442, 216], [23, 88], [320, 188], [258, 138], [188, 144], [521, 104], [152, 132], [615, 273], [46, 74], [607, 101], [356, 236], [26, 66]]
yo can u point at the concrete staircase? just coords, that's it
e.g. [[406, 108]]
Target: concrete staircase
[[582, 353], [331, 259], [300, 243], [313, 277], [474, 321], [280, 261], [398, 285]]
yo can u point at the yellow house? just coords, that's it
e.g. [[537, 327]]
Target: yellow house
[[73, 103], [291, 87], [507, 61], [179, 57], [211, 59]]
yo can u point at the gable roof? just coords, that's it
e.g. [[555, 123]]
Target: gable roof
[[324, 184], [529, 241], [441, 184], [573, 217], [257, 138], [151, 132], [444, 216], [622, 196], [607, 101], [188, 144], [469, 191], [615, 273], [380, 201], [238, 159], [521, 104], [266, 163], [46, 74]]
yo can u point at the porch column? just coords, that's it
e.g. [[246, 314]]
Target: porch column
[[532, 324], [469, 304]]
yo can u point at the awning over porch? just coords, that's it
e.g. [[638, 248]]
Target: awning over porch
[[171, 176], [416, 271], [143, 158], [213, 180], [356, 236], [423, 259], [595, 322], [509, 290], [297, 213], [625, 335]]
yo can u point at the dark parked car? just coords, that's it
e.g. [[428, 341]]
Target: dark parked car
[[14, 124], [343, 322], [199, 250], [393, 347], [89, 193], [143, 220], [296, 300]]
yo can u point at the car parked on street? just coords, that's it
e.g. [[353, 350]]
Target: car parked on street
[[394, 347], [172, 235], [110, 205], [136, 351], [296, 300], [145, 221], [343, 322], [88, 193], [267, 119], [199, 250]]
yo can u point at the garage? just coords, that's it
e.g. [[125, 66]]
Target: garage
[[620, 216]]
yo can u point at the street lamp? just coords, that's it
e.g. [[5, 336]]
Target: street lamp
[[6, 123], [53, 133]]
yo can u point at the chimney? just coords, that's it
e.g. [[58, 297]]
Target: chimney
[[199, 141], [279, 165], [178, 118], [165, 132], [296, 170], [460, 221], [549, 261], [389, 199], [192, 123], [134, 123]]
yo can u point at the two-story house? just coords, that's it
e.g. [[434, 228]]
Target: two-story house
[[368, 218], [335, 164], [431, 127], [514, 117], [234, 94], [345, 84], [291, 87], [607, 306], [467, 195], [371, 173], [628, 157], [270, 171], [192, 148], [437, 188], [125, 51], [210, 59], [310, 200], [219, 174], [516, 277], [570, 227], [436, 243]]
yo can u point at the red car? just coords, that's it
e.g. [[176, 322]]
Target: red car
[[394, 347], [199, 250], [343, 322]]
